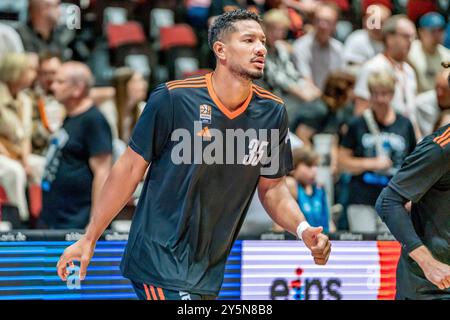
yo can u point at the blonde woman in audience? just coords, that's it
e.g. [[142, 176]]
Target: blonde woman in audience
[[16, 161]]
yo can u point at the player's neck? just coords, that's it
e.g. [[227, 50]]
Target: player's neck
[[232, 91]]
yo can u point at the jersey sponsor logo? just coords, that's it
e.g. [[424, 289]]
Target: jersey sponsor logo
[[249, 147], [205, 134], [205, 113]]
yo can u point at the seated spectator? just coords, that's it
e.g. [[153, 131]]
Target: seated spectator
[[311, 197], [48, 114], [16, 161], [316, 54], [431, 103], [280, 73], [364, 44], [131, 95], [427, 53], [398, 34], [328, 114], [79, 157], [42, 33], [372, 150], [10, 40]]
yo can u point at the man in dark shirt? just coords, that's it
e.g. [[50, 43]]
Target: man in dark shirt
[[423, 270], [211, 141], [79, 156], [42, 34]]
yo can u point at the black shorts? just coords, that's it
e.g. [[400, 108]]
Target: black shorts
[[149, 292]]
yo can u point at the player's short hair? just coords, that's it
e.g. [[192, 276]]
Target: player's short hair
[[382, 78], [225, 23], [306, 156]]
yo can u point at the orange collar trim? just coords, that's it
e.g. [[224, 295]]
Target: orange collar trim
[[225, 110]]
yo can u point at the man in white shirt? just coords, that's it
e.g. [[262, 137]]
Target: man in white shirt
[[316, 54], [398, 34], [431, 103], [427, 53], [364, 44]]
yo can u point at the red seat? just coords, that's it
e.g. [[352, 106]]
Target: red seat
[[35, 195], [179, 35], [3, 196], [127, 33]]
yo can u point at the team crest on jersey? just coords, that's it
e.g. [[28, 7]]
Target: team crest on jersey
[[205, 113]]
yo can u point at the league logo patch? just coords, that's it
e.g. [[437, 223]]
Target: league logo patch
[[205, 113]]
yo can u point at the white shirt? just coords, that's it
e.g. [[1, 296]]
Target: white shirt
[[405, 88], [427, 111], [359, 47], [316, 62], [427, 66]]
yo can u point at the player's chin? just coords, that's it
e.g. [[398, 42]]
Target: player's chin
[[256, 74]]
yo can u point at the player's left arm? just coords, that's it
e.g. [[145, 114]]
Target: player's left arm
[[284, 210]]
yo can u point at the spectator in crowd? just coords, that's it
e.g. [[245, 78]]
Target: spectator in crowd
[[372, 150], [79, 157], [16, 160], [398, 34], [427, 53], [48, 114], [328, 114], [311, 197], [42, 33], [431, 103], [316, 54], [10, 41], [364, 44], [131, 95], [280, 72]]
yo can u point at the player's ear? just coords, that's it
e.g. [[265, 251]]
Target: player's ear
[[219, 49]]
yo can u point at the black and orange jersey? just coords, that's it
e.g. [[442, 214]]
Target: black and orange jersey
[[205, 165], [424, 178]]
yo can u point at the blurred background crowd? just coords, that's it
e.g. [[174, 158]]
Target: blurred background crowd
[[362, 83]]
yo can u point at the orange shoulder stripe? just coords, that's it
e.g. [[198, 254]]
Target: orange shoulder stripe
[[268, 97], [188, 86], [185, 83], [146, 292], [445, 142], [443, 136], [152, 289], [261, 90], [196, 79]]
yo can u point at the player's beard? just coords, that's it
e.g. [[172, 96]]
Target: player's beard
[[241, 72]]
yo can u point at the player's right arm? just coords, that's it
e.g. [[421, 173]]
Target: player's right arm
[[117, 190]]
